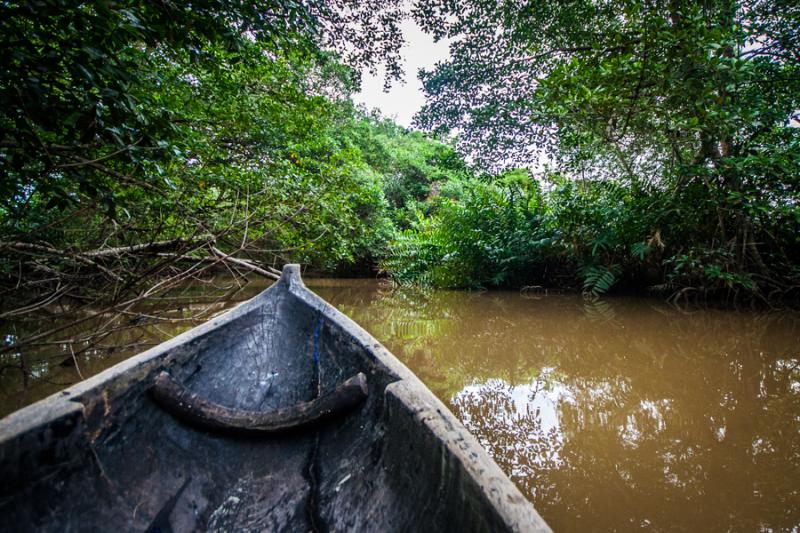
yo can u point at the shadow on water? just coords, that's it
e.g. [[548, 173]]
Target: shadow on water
[[610, 415]]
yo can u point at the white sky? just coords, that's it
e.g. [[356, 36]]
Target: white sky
[[404, 99]]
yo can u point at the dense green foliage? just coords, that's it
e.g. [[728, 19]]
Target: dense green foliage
[[81, 82], [139, 137], [411, 165], [666, 127], [661, 131], [479, 234]]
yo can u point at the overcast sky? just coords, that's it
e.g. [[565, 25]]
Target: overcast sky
[[404, 99]]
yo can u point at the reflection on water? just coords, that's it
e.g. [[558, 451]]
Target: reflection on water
[[612, 415], [517, 414]]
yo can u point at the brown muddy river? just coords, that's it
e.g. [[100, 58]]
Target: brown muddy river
[[622, 414]]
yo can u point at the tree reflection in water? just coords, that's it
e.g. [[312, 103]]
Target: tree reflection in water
[[518, 425], [614, 415]]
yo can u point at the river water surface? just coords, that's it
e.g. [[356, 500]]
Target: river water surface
[[620, 414]]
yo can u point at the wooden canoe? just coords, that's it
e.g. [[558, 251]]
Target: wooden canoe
[[281, 415]]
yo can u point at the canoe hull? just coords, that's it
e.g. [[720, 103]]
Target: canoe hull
[[103, 455]]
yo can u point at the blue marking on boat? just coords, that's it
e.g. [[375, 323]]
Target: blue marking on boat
[[317, 330]]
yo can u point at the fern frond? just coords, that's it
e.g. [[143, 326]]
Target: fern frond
[[598, 279]]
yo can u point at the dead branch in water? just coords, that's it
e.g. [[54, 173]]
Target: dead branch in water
[[246, 264], [82, 285], [157, 274]]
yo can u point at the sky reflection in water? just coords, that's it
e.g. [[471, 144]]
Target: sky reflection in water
[[614, 415]]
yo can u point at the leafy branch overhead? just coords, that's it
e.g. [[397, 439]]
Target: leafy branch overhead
[[82, 108]]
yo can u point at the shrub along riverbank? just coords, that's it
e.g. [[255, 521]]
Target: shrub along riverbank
[[594, 236]]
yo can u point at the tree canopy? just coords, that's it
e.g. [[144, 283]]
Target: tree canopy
[[138, 136], [687, 105], [81, 104], [660, 81]]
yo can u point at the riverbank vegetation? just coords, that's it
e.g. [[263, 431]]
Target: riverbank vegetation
[[667, 126], [590, 146]]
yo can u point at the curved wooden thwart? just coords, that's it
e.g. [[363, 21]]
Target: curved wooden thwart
[[191, 407]]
